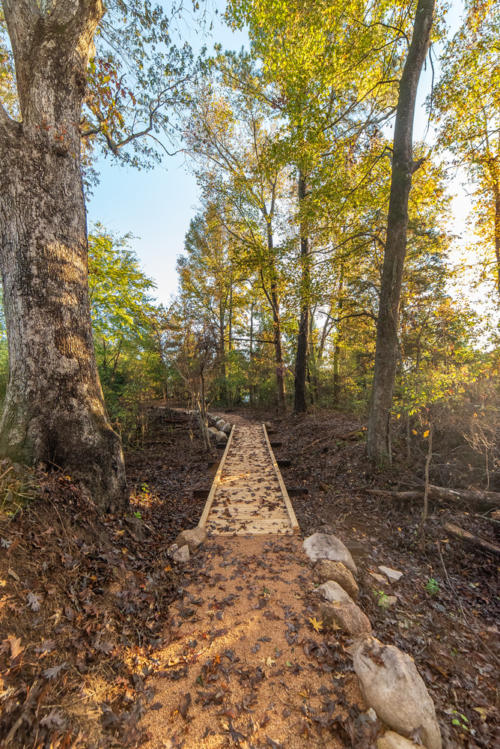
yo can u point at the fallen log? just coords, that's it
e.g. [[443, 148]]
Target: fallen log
[[480, 499], [488, 500], [470, 538]]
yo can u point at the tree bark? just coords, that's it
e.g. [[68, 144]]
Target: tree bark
[[338, 337], [471, 539], [300, 404], [497, 232], [54, 411], [275, 309], [403, 167]]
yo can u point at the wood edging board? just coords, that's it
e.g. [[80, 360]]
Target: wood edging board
[[215, 484], [288, 504]]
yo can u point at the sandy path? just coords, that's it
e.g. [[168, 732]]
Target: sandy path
[[245, 666]]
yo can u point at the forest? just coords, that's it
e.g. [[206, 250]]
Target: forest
[[338, 287]]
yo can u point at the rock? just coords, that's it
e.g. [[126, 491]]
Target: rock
[[379, 578], [181, 554], [227, 428], [327, 546], [220, 423], [392, 685], [391, 740], [333, 592], [221, 438], [342, 611], [346, 616], [192, 537], [392, 575], [178, 554], [326, 569], [213, 432], [385, 602]]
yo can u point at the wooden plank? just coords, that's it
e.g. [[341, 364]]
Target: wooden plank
[[216, 482], [288, 504]]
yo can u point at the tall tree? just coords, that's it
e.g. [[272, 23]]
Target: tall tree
[[54, 411], [468, 106], [403, 168]]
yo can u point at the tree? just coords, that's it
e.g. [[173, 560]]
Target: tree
[[403, 167], [54, 411], [231, 138], [468, 106]]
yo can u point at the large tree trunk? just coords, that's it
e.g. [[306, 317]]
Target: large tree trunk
[[403, 167], [300, 405], [54, 412]]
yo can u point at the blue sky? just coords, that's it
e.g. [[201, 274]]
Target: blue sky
[[157, 205]]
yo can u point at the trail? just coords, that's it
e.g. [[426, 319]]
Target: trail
[[245, 666]]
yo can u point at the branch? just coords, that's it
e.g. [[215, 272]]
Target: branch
[[21, 17]]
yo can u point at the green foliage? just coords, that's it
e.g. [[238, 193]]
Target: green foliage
[[125, 322], [432, 586]]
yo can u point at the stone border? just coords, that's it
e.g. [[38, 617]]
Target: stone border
[[388, 677]]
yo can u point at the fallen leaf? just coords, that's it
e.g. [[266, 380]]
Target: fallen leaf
[[316, 624], [33, 601], [184, 705], [15, 646], [53, 671]]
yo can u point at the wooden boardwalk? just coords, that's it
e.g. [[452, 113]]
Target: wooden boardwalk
[[248, 495]]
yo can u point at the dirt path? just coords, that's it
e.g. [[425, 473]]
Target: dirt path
[[246, 667]]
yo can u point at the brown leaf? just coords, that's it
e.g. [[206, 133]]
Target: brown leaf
[[184, 705], [15, 646]]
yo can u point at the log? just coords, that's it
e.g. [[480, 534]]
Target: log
[[479, 499], [488, 500], [470, 538]]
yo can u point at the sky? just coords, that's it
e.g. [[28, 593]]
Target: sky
[[156, 205]]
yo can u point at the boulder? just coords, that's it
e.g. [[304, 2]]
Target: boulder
[[333, 592], [326, 546], [213, 432], [391, 740], [392, 575], [342, 611], [192, 537], [346, 616], [227, 428], [391, 684], [221, 438], [326, 569]]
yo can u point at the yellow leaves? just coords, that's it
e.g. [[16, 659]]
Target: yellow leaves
[[316, 624], [483, 712], [425, 434]]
